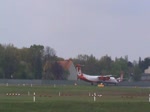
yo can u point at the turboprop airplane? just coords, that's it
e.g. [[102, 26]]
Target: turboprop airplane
[[105, 79]]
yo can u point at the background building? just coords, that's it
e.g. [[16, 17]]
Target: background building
[[146, 75], [69, 66]]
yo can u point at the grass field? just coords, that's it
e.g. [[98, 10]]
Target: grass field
[[73, 99]]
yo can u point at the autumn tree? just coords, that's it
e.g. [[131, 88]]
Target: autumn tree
[[48, 58]]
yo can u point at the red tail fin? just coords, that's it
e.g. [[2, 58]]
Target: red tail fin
[[78, 68]]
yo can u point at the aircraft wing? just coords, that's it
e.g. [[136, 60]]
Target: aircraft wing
[[108, 75]]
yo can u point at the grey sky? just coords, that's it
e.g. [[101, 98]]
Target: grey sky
[[99, 27]]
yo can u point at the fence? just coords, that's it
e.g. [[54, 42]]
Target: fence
[[66, 82], [41, 82]]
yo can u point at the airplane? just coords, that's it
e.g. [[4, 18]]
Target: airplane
[[105, 79]]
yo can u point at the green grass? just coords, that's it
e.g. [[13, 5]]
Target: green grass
[[74, 99], [75, 106]]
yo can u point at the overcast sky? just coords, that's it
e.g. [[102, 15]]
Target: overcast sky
[[100, 27]]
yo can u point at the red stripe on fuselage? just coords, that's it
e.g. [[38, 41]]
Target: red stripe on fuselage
[[84, 78]]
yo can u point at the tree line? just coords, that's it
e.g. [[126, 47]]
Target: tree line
[[36, 62], [39, 62]]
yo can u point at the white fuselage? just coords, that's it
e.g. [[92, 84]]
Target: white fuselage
[[108, 79], [95, 79]]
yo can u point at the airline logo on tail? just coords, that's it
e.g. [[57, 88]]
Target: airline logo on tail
[[78, 68]]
